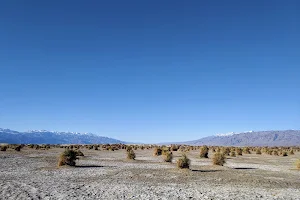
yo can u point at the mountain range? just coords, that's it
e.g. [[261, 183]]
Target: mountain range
[[250, 138], [53, 137]]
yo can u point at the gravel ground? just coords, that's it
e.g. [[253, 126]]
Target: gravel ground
[[33, 174]]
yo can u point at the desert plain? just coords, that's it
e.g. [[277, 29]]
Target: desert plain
[[101, 174]]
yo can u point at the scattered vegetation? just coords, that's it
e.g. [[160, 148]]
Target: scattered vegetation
[[219, 159], [183, 162], [3, 148]]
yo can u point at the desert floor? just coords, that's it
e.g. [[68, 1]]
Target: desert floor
[[33, 174]]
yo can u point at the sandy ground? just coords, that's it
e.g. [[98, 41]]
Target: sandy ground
[[33, 174]]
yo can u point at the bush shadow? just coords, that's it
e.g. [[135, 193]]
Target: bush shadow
[[94, 166], [209, 170], [241, 168]]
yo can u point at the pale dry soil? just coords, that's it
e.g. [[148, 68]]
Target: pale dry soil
[[33, 174]]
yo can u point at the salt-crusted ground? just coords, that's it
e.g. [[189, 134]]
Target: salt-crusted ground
[[33, 174]]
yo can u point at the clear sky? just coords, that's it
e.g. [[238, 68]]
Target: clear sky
[[150, 71]]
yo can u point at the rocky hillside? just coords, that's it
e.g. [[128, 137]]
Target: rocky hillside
[[52, 137]]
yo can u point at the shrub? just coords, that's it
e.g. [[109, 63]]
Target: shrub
[[157, 151], [204, 152], [18, 148], [165, 150], [110, 149], [68, 157], [168, 157], [258, 151], [291, 152], [270, 152], [96, 148], [298, 164], [174, 147], [232, 154], [130, 155], [128, 148], [239, 151], [183, 162], [226, 151], [275, 153], [219, 159], [246, 150], [3, 148]]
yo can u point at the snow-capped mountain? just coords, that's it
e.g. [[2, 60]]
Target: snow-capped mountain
[[231, 133], [53, 137]]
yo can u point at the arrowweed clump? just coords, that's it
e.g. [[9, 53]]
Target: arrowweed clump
[[68, 157], [183, 162]]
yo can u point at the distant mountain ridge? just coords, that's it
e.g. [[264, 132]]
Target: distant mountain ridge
[[53, 137], [251, 138]]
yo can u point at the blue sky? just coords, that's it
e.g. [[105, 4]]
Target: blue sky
[[150, 71]]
